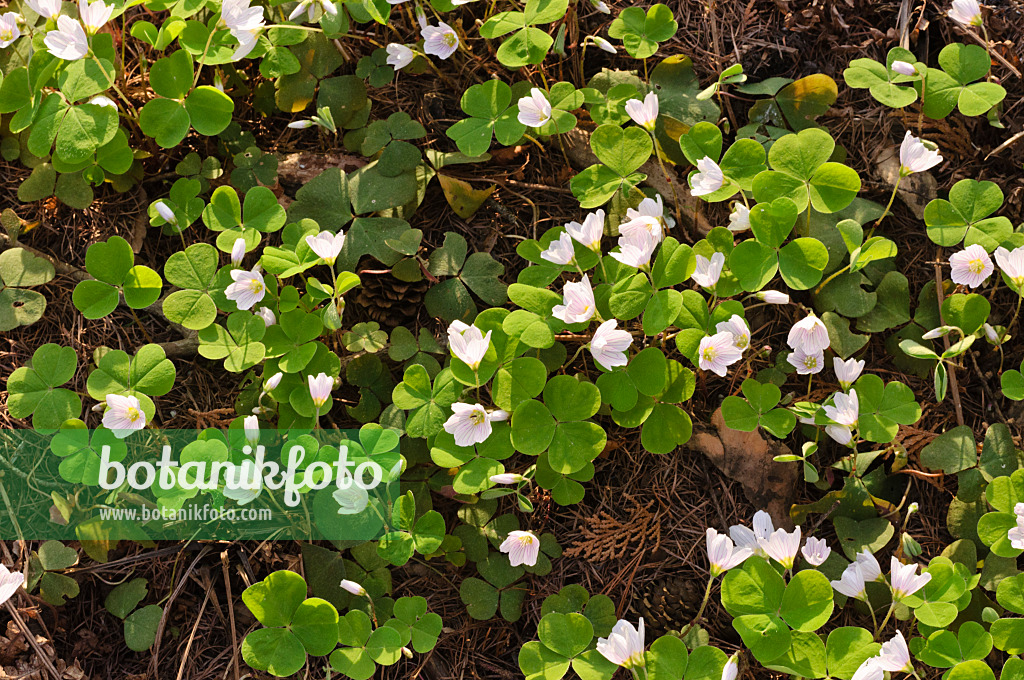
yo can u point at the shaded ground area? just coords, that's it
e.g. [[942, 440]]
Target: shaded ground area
[[638, 533]]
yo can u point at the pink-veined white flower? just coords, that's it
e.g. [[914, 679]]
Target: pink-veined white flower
[[971, 266], [251, 427], [534, 110], [471, 423], [94, 15], [560, 251], [577, 302], [248, 287], [468, 344], [9, 583], [847, 371], [904, 68], [9, 31], [717, 353], [806, 363], [268, 316], [708, 179], [399, 56], [732, 668], [274, 381], [352, 587], [816, 551], [739, 329], [309, 6], [895, 656], [440, 41], [636, 248], [846, 410], [782, 546], [904, 579], [739, 219], [244, 22], [123, 415], [808, 334], [69, 41], [625, 645], [588, 233], [772, 297], [869, 670], [723, 554], [506, 478], [166, 213], [320, 387], [45, 8], [326, 245], [869, 566], [1015, 535], [851, 583], [522, 547], [965, 12], [841, 434], [644, 113], [745, 537], [602, 44], [608, 346], [708, 271], [1011, 262], [916, 155], [238, 251]]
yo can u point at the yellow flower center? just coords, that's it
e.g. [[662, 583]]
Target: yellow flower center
[[710, 353], [810, 362], [6, 34], [132, 414], [976, 266], [255, 286], [526, 540], [477, 417], [450, 39], [742, 341]]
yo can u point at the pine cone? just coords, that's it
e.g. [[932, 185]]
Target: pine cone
[[668, 604], [387, 300]]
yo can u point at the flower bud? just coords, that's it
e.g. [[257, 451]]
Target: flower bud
[[238, 251]]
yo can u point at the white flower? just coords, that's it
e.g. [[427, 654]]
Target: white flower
[[251, 425], [608, 346], [301, 124], [274, 381], [326, 245], [399, 56], [851, 583], [708, 271], [717, 352], [560, 251], [847, 371], [601, 7], [9, 583], [723, 555], [971, 266], [936, 333], [352, 587], [268, 316], [638, 221], [69, 41], [535, 110], [966, 12], [320, 388], [123, 415], [904, 68], [351, 500], [709, 178], [522, 547], [248, 287], [870, 567], [468, 344], [440, 40], [310, 6], [991, 333], [846, 410], [625, 645], [506, 478], [840, 433], [590, 232], [238, 251], [9, 31], [636, 248], [1011, 262], [732, 667], [602, 43], [100, 100], [808, 334], [869, 670], [739, 219], [806, 363], [470, 424], [94, 15], [916, 155], [739, 329], [905, 580], [165, 212], [816, 551], [45, 8], [1016, 535], [773, 297], [894, 655], [782, 546], [750, 538], [577, 302], [244, 22], [644, 113]]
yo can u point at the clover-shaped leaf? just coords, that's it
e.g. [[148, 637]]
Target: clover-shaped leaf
[[35, 389], [755, 261], [325, 200], [492, 111], [362, 647], [884, 407], [479, 273], [184, 202], [640, 33], [260, 212], [801, 171], [529, 44], [80, 454], [758, 409], [193, 271], [966, 216], [178, 107], [238, 345], [428, 405], [374, 68], [953, 85], [20, 269], [885, 85], [365, 337], [743, 160], [111, 263], [621, 152]]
